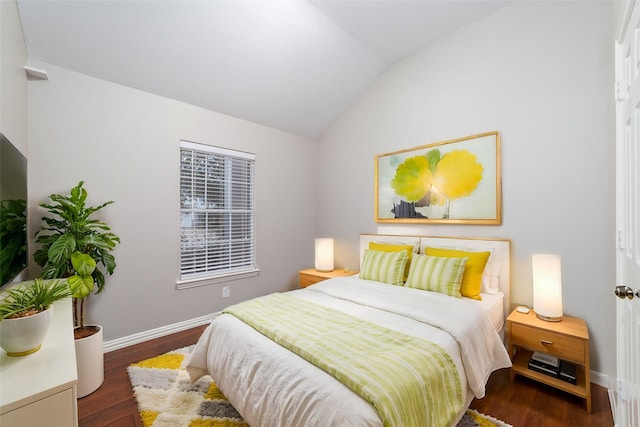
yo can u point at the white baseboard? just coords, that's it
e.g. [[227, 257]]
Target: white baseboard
[[157, 333], [613, 404], [604, 381], [600, 379]]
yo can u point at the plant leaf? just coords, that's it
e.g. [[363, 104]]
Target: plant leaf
[[83, 264], [99, 279], [109, 261], [51, 271], [60, 250], [81, 286]]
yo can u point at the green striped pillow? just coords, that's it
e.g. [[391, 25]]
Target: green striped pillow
[[438, 274], [387, 267]]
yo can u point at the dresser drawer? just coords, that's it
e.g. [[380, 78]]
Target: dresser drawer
[[562, 346]]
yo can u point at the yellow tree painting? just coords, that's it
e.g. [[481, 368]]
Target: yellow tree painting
[[456, 181]]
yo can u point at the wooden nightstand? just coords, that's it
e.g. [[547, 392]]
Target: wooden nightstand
[[567, 340], [310, 276]]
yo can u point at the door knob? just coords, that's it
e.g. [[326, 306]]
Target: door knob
[[623, 292]]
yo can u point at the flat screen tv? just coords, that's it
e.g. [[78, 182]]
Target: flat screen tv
[[13, 211]]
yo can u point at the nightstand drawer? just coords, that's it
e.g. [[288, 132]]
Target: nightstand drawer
[[308, 280], [559, 345]]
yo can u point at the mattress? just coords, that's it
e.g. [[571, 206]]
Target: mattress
[[271, 386], [493, 306]]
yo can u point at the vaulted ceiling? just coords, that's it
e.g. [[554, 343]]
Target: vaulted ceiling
[[294, 65]]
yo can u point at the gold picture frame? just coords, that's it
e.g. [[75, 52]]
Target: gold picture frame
[[449, 182]]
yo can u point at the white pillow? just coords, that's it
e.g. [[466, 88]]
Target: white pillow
[[490, 282]]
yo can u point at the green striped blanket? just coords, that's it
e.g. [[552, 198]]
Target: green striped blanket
[[410, 381]]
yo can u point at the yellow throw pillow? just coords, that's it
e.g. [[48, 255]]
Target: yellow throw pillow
[[472, 278], [394, 247]]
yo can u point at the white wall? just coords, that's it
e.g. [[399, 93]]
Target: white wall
[[124, 144], [13, 80], [541, 73], [13, 83]]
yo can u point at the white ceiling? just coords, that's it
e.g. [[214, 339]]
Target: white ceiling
[[294, 65]]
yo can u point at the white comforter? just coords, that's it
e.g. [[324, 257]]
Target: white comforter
[[272, 387]]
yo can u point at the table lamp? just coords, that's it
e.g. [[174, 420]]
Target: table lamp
[[324, 254], [547, 287]]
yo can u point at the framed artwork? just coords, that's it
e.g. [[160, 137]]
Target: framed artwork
[[449, 182]]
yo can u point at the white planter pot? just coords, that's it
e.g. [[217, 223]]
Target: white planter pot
[[90, 362], [22, 336]]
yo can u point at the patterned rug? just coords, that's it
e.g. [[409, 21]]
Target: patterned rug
[[166, 397]]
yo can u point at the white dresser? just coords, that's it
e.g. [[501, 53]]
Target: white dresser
[[40, 389]]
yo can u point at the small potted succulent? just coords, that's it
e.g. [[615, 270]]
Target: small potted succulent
[[25, 314]]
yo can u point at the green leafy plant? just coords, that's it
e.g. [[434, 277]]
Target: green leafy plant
[[74, 246], [29, 298], [13, 235]]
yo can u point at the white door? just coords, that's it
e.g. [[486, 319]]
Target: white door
[[627, 405]]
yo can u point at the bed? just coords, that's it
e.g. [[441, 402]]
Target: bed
[[267, 355]]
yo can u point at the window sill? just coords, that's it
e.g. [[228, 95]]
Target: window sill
[[212, 280]]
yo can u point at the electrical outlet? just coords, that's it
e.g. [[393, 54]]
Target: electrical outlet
[[226, 292]]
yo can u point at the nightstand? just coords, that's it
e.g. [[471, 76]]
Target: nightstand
[[310, 276], [567, 340]]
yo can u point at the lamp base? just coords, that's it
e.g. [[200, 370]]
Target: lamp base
[[548, 318], [324, 271]]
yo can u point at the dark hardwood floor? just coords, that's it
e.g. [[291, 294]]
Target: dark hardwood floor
[[113, 403], [527, 403], [522, 403]]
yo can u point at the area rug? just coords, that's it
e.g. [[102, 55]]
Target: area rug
[[166, 397]]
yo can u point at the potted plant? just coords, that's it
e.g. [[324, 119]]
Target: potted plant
[[77, 247], [25, 314]]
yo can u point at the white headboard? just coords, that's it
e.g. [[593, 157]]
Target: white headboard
[[500, 252]]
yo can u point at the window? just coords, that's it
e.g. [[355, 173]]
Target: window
[[217, 233]]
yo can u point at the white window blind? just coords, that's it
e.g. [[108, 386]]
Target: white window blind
[[217, 236]]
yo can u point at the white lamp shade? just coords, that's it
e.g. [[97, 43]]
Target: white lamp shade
[[547, 286], [324, 254]]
